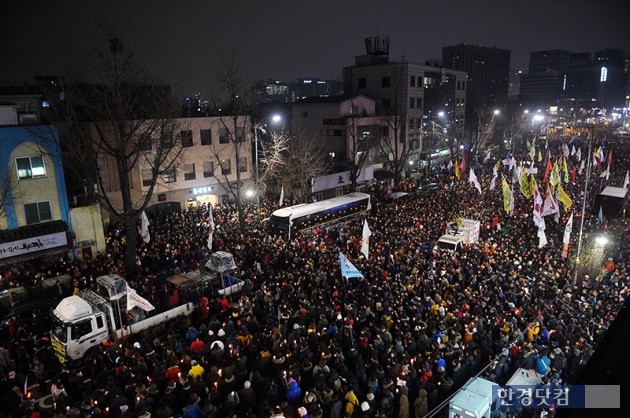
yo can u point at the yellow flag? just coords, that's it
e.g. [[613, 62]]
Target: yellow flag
[[507, 195], [554, 178], [540, 158], [524, 184], [565, 170], [564, 197], [532, 183], [457, 173], [498, 164]]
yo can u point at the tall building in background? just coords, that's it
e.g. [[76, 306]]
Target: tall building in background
[[315, 87], [414, 91], [488, 71]]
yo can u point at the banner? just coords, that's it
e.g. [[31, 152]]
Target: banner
[[348, 270], [564, 198], [539, 220], [365, 240], [134, 299], [567, 236], [524, 184]]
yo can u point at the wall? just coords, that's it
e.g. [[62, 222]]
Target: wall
[[88, 226]]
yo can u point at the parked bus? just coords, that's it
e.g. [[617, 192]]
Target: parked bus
[[293, 219]]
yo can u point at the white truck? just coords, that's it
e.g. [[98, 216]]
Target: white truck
[[80, 323], [458, 236]]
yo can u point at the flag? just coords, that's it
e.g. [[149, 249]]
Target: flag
[[565, 170], [210, 227], [495, 174], [581, 168], [554, 178], [579, 154], [542, 238], [548, 169], [524, 185], [565, 150], [462, 167], [365, 240], [539, 220], [608, 172], [146, 237], [134, 299], [564, 198], [473, 179], [550, 206], [348, 269], [609, 159], [573, 175], [573, 150], [487, 157], [281, 200], [507, 195], [450, 164], [626, 182], [532, 152], [567, 236], [600, 216], [457, 172], [540, 157]]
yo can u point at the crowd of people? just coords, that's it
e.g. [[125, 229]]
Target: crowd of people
[[301, 341]]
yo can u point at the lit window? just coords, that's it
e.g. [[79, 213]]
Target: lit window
[[169, 176], [603, 74], [30, 167]]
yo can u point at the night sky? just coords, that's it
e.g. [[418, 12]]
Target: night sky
[[185, 43]]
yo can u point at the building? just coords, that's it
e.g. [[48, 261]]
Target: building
[[488, 70], [315, 87], [34, 211], [414, 92], [206, 171]]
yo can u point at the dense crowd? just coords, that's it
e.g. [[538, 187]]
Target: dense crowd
[[299, 340]]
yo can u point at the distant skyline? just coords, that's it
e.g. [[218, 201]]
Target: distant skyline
[[186, 43]]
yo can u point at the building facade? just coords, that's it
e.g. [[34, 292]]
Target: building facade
[[34, 213], [206, 171]]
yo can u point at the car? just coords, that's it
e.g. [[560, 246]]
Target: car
[[396, 196], [35, 316], [427, 189]]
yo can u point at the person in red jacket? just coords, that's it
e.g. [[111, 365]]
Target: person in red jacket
[[173, 373], [197, 346]]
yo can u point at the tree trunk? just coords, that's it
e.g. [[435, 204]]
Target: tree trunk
[[131, 233]]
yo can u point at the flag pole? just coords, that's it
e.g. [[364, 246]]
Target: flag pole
[[589, 163]]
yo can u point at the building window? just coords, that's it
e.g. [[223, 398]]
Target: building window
[[206, 136], [187, 138], [334, 132], [170, 176], [147, 177], [189, 172], [240, 134], [305, 114], [386, 82], [412, 102], [208, 169], [144, 144], [412, 81], [336, 121], [362, 83], [30, 167], [242, 164], [37, 212], [224, 136], [419, 103], [167, 139], [226, 167]]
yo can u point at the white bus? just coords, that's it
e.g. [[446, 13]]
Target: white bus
[[293, 219]]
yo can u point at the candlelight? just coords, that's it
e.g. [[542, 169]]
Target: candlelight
[[179, 374]]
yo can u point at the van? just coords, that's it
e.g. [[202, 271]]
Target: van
[[450, 243]]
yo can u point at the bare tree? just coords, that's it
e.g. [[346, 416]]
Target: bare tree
[[117, 127], [304, 161], [362, 137], [6, 187]]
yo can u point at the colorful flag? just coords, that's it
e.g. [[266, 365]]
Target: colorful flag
[[473, 179], [573, 173], [609, 159], [567, 236], [548, 169], [348, 270], [365, 240], [564, 198], [281, 200], [462, 167], [457, 172], [540, 157], [134, 299], [626, 182], [210, 227], [507, 195], [554, 178], [524, 185], [144, 221], [550, 206]]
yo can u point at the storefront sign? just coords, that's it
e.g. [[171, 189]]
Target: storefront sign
[[32, 245]]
